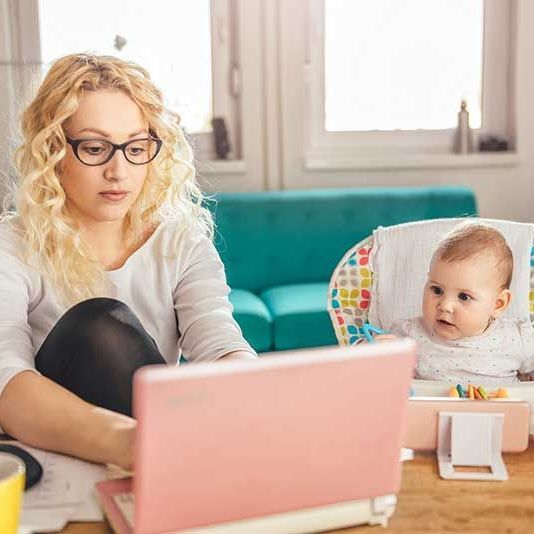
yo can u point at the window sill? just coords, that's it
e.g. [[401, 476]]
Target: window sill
[[414, 161], [223, 166]]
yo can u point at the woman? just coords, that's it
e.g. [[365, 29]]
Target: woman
[[106, 264]]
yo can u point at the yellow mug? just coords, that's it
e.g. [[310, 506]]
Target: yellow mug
[[12, 476]]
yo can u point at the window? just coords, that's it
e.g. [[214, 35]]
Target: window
[[191, 67], [388, 77], [393, 65]]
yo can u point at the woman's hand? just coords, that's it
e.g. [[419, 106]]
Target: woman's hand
[[121, 441]]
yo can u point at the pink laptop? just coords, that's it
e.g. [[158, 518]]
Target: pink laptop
[[297, 442]]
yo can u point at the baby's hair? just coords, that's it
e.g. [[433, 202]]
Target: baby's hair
[[471, 239]]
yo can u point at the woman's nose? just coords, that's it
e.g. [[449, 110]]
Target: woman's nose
[[117, 167]]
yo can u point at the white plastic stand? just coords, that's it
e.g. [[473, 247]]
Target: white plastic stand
[[471, 439]]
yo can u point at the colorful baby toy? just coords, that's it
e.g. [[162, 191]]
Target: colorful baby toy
[[476, 392], [368, 330]]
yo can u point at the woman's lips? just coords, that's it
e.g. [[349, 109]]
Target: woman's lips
[[114, 196]]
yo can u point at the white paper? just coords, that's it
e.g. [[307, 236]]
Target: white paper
[[56, 518], [89, 510], [65, 481], [45, 519]]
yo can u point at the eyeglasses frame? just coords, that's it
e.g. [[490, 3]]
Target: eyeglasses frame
[[75, 143]]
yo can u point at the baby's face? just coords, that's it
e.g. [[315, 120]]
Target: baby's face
[[461, 297]]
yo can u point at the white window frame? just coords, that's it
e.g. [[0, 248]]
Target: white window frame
[[323, 148], [225, 79]]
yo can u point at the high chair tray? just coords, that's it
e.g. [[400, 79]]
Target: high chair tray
[[423, 416]]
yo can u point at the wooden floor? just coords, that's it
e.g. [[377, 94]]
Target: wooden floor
[[427, 504]]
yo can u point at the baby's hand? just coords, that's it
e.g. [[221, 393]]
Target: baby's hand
[[385, 337]]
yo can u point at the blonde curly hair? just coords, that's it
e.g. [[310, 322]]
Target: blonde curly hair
[[53, 242]]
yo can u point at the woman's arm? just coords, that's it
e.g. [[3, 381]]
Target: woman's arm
[[204, 314], [41, 413]]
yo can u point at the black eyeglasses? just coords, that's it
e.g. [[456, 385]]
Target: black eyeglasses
[[95, 152]]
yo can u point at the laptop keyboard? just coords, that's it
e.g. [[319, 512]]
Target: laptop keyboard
[[125, 504]]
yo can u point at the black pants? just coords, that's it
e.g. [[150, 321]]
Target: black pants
[[94, 350]]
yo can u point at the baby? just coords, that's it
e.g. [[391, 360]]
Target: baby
[[461, 335]]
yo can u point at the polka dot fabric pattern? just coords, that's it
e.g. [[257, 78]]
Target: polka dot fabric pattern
[[350, 293]]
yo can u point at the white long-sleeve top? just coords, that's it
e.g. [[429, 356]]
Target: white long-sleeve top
[[492, 358], [175, 284]]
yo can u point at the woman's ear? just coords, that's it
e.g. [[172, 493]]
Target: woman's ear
[[502, 302]]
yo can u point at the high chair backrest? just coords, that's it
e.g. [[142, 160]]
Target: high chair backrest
[[352, 289]]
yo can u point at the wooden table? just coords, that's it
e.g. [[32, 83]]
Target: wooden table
[[427, 504]]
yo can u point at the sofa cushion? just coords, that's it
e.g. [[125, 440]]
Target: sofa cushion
[[299, 315], [253, 317]]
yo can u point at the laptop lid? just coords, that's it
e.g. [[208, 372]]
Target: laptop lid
[[242, 439]]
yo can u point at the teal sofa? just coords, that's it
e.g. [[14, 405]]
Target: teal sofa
[[280, 248]]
